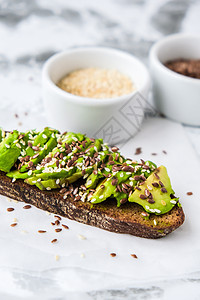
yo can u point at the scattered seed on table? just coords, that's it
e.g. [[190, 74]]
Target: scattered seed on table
[[58, 229], [54, 241], [41, 231], [189, 193], [134, 255], [57, 222], [113, 254], [27, 206], [153, 153], [13, 224], [138, 151], [165, 152], [81, 237], [65, 226], [10, 209], [52, 223], [58, 217]]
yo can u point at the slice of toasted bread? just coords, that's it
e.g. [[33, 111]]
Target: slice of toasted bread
[[126, 219]]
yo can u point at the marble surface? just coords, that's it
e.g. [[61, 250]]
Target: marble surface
[[30, 32]]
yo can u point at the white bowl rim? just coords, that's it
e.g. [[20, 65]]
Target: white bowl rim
[[154, 55], [86, 100]]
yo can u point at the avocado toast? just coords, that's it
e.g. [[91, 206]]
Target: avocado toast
[[82, 179]]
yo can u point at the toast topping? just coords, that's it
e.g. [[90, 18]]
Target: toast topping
[[50, 160]]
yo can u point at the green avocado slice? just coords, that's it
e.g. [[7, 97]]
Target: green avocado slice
[[2, 134], [101, 194], [159, 185], [9, 151], [44, 140], [93, 179], [48, 179]]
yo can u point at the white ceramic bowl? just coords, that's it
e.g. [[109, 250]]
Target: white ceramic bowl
[[115, 119], [175, 95]]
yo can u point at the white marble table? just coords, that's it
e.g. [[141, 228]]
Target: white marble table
[[31, 31]]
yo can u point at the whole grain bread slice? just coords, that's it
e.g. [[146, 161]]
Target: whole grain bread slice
[[126, 219]]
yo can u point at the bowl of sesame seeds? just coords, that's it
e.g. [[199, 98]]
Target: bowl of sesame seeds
[[98, 91]]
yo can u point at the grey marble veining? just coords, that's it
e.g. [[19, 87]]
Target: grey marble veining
[[32, 31]]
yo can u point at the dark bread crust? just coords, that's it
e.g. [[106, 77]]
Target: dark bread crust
[[126, 219]]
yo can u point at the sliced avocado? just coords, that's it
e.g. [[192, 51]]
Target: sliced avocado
[[93, 179], [2, 134], [71, 174], [9, 151], [101, 194], [158, 185], [44, 140]]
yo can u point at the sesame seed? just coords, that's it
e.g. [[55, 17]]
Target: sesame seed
[[57, 257], [155, 222], [173, 201], [18, 145], [81, 237], [7, 146], [163, 202], [157, 210]]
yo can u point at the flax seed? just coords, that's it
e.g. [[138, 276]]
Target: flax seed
[[189, 193], [27, 206], [54, 241], [41, 231], [58, 229], [13, 224], [134, 255], [113, 254], [9, 209], [65, 226], [138, 151]]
